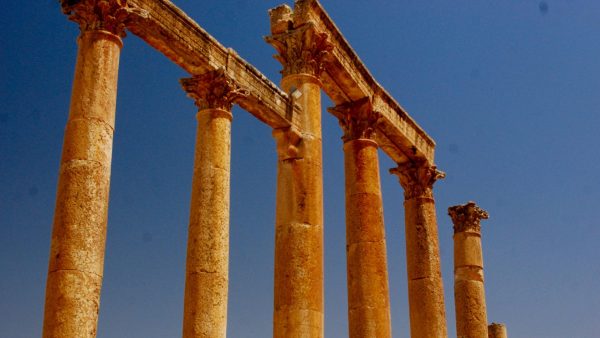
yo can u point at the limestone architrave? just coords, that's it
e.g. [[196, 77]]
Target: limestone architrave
[[469, 291], [425, 286], [366, 258], [207, 263]]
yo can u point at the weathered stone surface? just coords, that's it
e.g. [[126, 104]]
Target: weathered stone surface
[[368, 288], [496, 330], [425, 287], [72, 304], [207, 265], [298, 299], [95, 15], [469, 292], [302, 50], [79, 231]]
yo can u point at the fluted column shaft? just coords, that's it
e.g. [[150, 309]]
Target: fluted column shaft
[[469, 292], [425, 286], [496, 330], [207, 265], [299, 305], [77, 248]]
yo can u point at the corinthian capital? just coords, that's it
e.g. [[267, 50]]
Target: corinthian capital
[[107, 15], [357, 119], [467, 217], [302, 50], [417, 179], [213, 90]]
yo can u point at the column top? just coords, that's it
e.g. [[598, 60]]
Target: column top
[[417, 178], [301, 50], [213, 90], [104, 15], [357, 119], [467, 217]]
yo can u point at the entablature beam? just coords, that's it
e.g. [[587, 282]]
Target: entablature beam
[[169, 30], [346, 79]]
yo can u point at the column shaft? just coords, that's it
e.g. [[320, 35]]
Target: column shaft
[[207, 268], [298, 308], [79, 230], [368, 289], [425, 286], [469, 293]]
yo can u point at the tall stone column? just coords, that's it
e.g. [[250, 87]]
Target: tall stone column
[[76, 261], [496, 330], [366, 260], [207, 266], [469, 292], [425, 287], [298, 299]]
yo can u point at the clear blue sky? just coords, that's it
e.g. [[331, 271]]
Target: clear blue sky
[[510, 91]]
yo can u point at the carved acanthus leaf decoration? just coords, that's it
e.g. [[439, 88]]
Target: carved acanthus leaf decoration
[[213, 90], [302, 50], [467, 217], [108, 15], [417, 179], [357, 119]]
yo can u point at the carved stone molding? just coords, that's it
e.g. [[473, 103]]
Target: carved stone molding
[[302, 50], [213, 90], [107, 15], [288, 143], [467, 217], [357, 119], [417, 179]]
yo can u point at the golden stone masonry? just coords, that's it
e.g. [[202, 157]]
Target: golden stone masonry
[[315, 57]]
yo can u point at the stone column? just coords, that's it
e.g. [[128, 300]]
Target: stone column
[[298, 299], [496, 330], [469, 292], [76, 261], [207, 266], [425, 287], [368, 288]]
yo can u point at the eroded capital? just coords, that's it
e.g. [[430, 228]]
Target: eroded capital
[[417, 179], [213, 90], [467, 217]]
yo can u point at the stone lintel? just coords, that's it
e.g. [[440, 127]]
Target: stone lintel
[[345, 78], [169, 30], [417, 179], [467, 217]]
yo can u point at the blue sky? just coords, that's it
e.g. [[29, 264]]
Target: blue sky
[[509, 90]]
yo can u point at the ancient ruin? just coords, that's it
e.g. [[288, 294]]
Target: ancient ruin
[[315, 56]]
